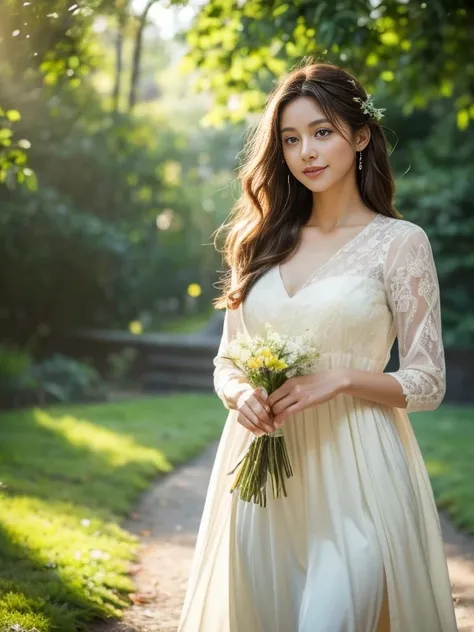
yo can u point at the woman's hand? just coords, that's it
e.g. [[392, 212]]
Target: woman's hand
[[301, 392], [254, 413]]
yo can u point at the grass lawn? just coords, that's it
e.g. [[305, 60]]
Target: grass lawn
[[446, 438], [68, 476]]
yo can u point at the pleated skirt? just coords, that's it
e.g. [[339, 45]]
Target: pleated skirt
[[358, 526]]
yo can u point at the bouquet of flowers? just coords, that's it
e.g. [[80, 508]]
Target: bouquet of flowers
[[268, 361]]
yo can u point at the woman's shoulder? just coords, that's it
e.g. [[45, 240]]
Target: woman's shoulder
[[401, 229]]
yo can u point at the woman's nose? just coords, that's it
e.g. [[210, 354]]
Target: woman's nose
[[308, 150]]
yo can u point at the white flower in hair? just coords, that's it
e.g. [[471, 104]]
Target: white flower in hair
[[368, 107]]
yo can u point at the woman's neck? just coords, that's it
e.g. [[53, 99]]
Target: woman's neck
[[340, 205]]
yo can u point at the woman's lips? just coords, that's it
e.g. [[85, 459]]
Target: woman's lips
[[314, 173]]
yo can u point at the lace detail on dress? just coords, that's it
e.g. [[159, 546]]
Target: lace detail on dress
[[366, 254], [398, 254], [413, 292]]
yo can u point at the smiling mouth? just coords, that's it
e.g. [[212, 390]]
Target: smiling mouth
[[314, 170]]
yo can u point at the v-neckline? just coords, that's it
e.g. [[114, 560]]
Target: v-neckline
[[332, 256]]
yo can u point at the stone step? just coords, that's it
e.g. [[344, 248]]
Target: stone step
[[163, 360], [177, 381]]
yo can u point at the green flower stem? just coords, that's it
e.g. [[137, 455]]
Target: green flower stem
[[266, 456]]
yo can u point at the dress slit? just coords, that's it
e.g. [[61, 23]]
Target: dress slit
[[383, 624]]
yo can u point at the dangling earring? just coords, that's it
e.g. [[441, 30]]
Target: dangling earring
[[360, 161]]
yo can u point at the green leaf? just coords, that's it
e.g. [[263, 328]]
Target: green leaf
[[74, 62], [280, 10], [462, 119], [372, 59], [31, 180], [13, 116], [390, 38], [387, 75], [5, 133]]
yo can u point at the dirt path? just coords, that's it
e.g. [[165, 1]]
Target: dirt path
[[167, 519]]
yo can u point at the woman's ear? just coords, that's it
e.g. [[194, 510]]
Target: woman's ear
[[362, 138]]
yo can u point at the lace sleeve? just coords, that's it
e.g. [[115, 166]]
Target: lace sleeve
[[226, 373], [412, 288]]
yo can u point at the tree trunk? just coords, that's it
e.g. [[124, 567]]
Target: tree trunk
[[118, 62], [137, 53]]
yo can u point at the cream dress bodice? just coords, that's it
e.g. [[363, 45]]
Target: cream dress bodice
[[379, 285]]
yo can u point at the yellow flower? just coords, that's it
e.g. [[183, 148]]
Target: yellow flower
[[278, 365], [254, 363], [270, 360]]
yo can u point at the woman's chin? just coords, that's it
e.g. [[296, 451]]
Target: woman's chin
[[318, 187], [319, 184]]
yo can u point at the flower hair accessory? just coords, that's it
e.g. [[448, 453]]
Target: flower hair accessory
[[368, 107]]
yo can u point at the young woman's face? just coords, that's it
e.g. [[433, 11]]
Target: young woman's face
[[310, 140]]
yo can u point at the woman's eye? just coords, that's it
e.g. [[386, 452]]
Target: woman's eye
[[320, 133]]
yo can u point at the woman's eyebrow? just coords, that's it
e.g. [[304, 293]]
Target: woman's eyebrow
[[312, 124]]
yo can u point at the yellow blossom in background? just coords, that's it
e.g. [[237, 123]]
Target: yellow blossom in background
[[135, 327], [194, 290]]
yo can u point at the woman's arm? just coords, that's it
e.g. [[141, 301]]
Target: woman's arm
[[229, 381], [301, 392], [380, 388], [413, 292]]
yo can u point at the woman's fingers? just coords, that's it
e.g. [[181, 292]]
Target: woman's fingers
[[264, 417], [250, 421], [254, 412]]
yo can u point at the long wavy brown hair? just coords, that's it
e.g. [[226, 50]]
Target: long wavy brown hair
[[265, 222]]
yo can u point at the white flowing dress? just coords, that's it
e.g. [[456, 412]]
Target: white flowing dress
[[359, 524]]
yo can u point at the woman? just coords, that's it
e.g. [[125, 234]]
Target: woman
[[315, 242]]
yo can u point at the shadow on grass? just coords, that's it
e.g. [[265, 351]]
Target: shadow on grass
[[64, 484], [67, 477], [71, 460], [34, 593]]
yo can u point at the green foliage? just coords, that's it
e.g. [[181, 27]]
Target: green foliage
[[58, 378], [437, 192], [15, 373], [85, 248], [120, 364], [66, 379], [446, 437], [13, 158], [119, 196], [69, 475], [53, 37], [418, 51]]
